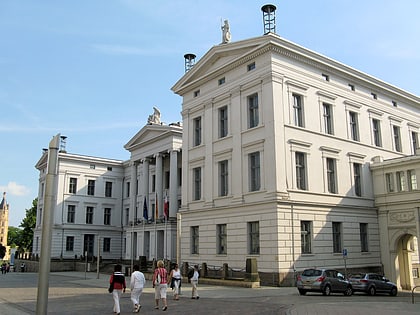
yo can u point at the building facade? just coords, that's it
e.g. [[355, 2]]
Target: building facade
[[4, 225], [277, 147]]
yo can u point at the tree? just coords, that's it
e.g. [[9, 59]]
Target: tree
[[2, 251], [28, 224], [14, 235]]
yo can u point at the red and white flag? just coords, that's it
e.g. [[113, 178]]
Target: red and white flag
[[166, 207]]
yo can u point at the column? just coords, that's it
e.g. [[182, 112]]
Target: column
[[133, 191], [146, 185], [173, 184], [159, 182]]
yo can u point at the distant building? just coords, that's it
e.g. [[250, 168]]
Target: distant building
[[4, 225]]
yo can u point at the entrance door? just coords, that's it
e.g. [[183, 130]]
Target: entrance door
[[404, 261], [146, 245], [88, 245]]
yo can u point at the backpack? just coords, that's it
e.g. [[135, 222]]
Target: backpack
[[190, 273]]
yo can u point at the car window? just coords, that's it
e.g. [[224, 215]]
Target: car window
[[358, 276], [311, 273]]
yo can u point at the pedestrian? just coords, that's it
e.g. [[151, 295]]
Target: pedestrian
[[117, 287], [194, 283], [160, 283], [175, 279], [137, 283]]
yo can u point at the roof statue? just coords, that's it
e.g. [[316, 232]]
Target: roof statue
[[155, 117], [226, 32]]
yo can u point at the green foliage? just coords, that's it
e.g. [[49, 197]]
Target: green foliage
[[14, 236], [28, 224], [2, 251]]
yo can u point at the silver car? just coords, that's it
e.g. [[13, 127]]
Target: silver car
[[372, 283], [326, 281]]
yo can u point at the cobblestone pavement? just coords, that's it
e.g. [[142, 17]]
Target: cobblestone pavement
[[85, 293]]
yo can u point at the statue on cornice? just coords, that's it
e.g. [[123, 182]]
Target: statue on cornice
[[226, 32], [155, 117]]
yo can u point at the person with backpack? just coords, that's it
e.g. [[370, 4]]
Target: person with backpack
[[194, 282], [117, 286], [160, 283]]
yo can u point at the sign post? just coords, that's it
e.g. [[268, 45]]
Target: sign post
[[345, 261]]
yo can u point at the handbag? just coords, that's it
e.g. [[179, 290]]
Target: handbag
[[111, 286]]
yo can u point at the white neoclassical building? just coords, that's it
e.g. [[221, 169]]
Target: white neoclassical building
[[277, 146]]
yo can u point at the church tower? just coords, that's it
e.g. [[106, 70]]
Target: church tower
[[4, 224]]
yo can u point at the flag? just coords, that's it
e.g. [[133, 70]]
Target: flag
[[156, 206], [145, 212], [166, 207]]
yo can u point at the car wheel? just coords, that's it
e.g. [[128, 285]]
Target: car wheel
[[349, 291], [327, 290], [372, 290], [393, 291], [302, 292]]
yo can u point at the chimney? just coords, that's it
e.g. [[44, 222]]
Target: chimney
[[269, 18], [189, 61]]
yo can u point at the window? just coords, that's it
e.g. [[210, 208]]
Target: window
[[167, 179], [331, 175], [73, 185], [179, 176], [326, 77], [354, 127], [336, 233], [127, 215], [254, 171], [412, 180], [108, 189], [107, 216], [397, 138], [197, 183], [221, 239], [352, 87], [251, 66], [153, 183], [106, 247], [69, 243], [92, 166], [374, 96], [197, 131], [222, 81], [301, 171], [109, 168], [364, 237], [91, 187], [298, 110], [194, 240], [357, 174], [389, 178], [414, 141], [89, 215], [223, 177], [305, 236], [196, 93], [376, 130], [328, 119], [253, 118], [127, 190], [71, 213], [253, 238], [223, 122], [394, 103], [400, 181]]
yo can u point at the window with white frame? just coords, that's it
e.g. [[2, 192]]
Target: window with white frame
[[91, 187], [389, 179], [397, 138], [354, 126], [337, 237], [108, 189], [223, 178], [253, 115], [106, 247], [298, 110], [89, 215], [328, 118], [197, 131], [254, 171], [414, 141], [331, 175], [376, 131], [221, 239], [194, 240], [253, 238], [301, 175], [364, 244], [223, 122], [357, 179], [306, 236], [197, 183], [73, 185], [69, 243], [412, 180], [400, 181], [71, 213], [107, 216]]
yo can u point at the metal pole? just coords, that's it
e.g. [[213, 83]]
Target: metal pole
[[47, 221], [97, 261]]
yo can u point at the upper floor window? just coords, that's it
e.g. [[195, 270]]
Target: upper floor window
[[412, 180], [331, 175], [197, 183], [91, 187], [107, 216], [89, 215], [197, 131], [298, 110], [223, 177], [71, 213], [108, 189], [357, 178], [253, 117], [73, 185], [127, 193], [223, 122], [401, 186], [251, 66], [397, 138], [328, 119], [389, 179], [301, 170], [354, 126], [222, 81], [376, 130], [414, 141], [254, 171]]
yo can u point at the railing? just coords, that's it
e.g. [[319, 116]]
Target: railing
[[412, 293]]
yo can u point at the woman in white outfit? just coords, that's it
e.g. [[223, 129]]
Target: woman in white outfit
[[175, 280], [137, 283]]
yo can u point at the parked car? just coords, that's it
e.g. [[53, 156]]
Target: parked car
[[372, 283], [326, 281]]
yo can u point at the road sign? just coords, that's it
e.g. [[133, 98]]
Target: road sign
[[344, 252]]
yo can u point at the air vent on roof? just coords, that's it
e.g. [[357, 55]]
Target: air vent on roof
[[269, 18], [189, 61]]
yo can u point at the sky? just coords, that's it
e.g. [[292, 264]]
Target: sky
[[92, 70]]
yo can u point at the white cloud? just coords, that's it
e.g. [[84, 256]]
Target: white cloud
[[15, 189]]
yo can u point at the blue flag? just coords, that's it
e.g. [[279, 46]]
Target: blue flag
[[145, 212]]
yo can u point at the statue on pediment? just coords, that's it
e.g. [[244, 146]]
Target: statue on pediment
[[226, 32], [155, 117]]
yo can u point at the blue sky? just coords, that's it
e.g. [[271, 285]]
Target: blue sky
[[92, 70]]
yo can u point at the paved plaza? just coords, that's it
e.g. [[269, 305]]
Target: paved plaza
[[85, 293]]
